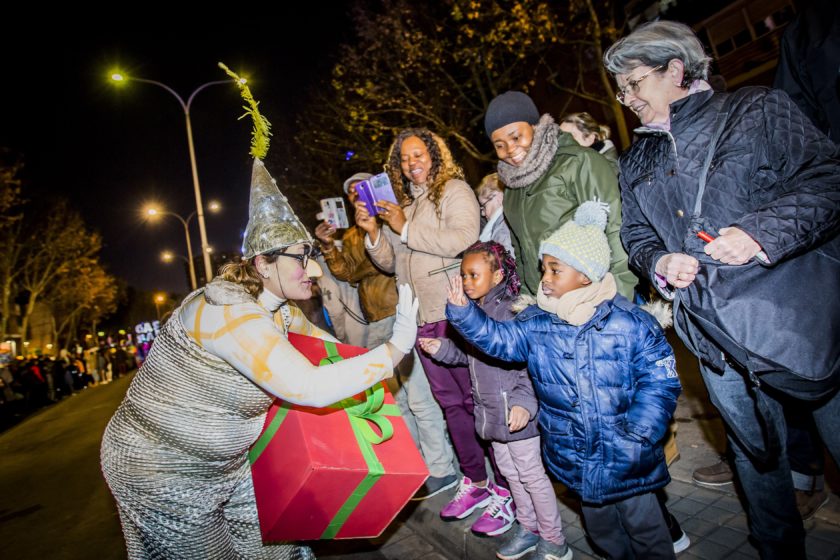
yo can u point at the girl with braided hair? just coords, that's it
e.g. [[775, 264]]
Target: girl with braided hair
[[505, 405]]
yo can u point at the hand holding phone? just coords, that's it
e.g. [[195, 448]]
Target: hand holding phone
[[372, 190], [334, 213]]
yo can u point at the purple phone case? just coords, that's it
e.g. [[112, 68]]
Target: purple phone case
[[376, 188]]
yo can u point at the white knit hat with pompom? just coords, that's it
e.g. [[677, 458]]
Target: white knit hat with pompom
[[582, 242]]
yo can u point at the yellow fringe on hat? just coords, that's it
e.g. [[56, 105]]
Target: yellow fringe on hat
[[262, 128]]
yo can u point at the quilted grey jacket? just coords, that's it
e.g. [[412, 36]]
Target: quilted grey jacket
[[774, 176]]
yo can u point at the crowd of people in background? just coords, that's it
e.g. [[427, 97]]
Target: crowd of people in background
[[27, 384]]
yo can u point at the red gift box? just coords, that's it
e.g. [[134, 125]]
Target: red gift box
[[326, 473]]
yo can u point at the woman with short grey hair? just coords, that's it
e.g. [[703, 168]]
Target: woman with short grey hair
[[732, 202], [655, 45]]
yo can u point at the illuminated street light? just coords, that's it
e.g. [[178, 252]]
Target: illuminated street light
[[119, 77], [153, 211], [159, 299]]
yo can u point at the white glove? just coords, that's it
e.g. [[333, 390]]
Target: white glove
[[405, 325]]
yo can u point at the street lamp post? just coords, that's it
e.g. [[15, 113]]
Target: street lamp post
[[159, 299], [213, 207], [208, 269], [186, 224]]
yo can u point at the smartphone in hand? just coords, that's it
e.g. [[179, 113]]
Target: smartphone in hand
[[334, 213], [376, 188]]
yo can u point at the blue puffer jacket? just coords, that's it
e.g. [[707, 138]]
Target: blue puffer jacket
[[606, 390]]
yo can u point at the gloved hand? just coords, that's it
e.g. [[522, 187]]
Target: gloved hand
[[405, 325]]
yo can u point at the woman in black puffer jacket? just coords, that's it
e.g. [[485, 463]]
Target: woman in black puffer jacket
[[772, 194]]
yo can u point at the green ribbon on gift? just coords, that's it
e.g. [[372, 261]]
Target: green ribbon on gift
[[361, 413]]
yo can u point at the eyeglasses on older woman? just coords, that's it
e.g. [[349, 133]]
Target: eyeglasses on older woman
[[633, 85]]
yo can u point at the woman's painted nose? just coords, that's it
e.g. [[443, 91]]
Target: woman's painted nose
[[313, 269]]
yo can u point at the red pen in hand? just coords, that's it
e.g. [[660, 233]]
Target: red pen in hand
[[705, 236], [760, 256]]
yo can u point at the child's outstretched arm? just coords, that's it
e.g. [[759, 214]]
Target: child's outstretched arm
[[657, 384], [505, 340], [443, 350]]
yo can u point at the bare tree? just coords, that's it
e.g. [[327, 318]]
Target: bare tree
[[57, 241], [11, 226], [439, 65], [85, 294], [411, 65]]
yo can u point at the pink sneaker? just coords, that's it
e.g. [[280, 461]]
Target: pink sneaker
[[499, 515], [467, 499]]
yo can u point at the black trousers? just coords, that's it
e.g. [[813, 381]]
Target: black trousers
[[630, 529]]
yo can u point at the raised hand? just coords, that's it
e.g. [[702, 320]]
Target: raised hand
[[325, 234], [366, 221], [393, 214], [405, 324], [456, 291]]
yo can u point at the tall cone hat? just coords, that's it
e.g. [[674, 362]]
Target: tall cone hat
[[272, 224]]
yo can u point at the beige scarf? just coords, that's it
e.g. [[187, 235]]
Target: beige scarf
[[578, 306]]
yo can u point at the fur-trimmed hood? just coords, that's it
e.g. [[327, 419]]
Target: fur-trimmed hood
[[660, 309]]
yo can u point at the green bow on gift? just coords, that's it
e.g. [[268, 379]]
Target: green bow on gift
[[361, 413]]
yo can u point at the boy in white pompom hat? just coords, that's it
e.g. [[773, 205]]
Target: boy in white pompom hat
[[606, 383]]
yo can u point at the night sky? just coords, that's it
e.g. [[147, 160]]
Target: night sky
[[110, 150]]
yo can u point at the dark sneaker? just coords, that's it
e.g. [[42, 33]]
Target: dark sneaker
[[809, 503], [434, 485], [678, 536], [547, 550], [714, 475], [519, 544]]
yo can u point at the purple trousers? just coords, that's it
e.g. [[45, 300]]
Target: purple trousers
[[452, 387]]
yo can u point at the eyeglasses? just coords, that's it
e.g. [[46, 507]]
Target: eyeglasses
[[303, 258], [633, 85], [481, 205]]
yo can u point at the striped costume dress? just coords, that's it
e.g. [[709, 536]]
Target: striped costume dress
[[175, 453]]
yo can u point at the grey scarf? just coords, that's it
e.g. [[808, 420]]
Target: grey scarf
[[539, 158]]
